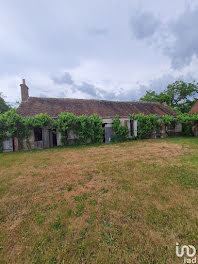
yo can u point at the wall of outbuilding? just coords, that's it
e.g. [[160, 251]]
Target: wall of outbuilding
[[47, 138]]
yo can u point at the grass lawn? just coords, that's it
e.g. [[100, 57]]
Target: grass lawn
[[119, 203]]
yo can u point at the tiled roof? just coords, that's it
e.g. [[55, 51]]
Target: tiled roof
[[54, 106], [194, 109]]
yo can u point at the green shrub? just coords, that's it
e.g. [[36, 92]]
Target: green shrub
[[121, 132], [85, 128], [146, 124]]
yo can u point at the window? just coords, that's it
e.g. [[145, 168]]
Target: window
[[171, 126], [38, 134]]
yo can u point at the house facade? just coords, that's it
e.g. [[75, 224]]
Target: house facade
[[107, 110]]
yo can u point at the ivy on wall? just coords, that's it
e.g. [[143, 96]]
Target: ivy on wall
[[88, 129], [85, 128], [146, 124], [188, 121], [40, 121], [12, 125], [64, 122], [121, 132]]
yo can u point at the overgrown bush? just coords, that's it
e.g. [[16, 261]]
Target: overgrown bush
[[64, 122], [40, 121], [187, 121], [121, 132], [97, 129], [150, 123], [88, 129], [146, 124], [3, 130], [12, 125], [85, 128]]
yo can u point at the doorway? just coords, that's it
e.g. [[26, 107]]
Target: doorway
[[54, 138], [103, 126]]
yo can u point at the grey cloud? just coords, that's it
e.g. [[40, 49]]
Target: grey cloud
[[185, 34], [90, 33], [160, 84], [63, 79], [87, 89], [178, 38], [144, 25], [104, 94], [93, 91]]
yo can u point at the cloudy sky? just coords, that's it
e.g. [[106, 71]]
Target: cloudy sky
[[113, 49]]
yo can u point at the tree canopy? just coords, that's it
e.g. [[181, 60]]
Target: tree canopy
[[180, 95], [4, 107]]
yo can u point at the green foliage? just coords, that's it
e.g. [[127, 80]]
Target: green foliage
[[88, 129], [15, 124], [3, 130], [146, 124], [4, 107], [121, 132], [188, 121], [12, 125], [97, 129], [182, 95], [85, 128], [150, 123], [179, 95], [167, 120], [152, 96], [40, 121]]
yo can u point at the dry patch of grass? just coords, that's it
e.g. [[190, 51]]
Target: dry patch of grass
[[120, 203]]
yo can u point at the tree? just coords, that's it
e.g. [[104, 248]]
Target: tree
[[183, 95], [3, 106], [152, 96], [179, 95]]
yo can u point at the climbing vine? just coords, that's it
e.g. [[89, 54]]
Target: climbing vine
[[40, 121], [167, 120], [146, 124], [86, 129], [187, 121], [121, 132], [97, 129], [3, 130], [12, 125]]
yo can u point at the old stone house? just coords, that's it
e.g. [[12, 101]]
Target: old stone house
[[107, 110]]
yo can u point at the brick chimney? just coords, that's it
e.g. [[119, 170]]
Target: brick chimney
[[24, 91]]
